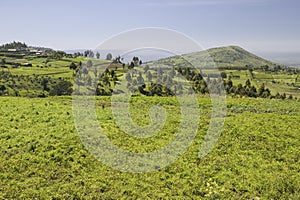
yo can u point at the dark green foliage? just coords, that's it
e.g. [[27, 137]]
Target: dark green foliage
[[89, 64], [89, 53], [14, 45], [109, 56], [73, 66], [98, 55], [223, 75], [33, 86], [57, 55], [60, 88]]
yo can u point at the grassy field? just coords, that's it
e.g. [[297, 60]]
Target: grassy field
[[256, 157]]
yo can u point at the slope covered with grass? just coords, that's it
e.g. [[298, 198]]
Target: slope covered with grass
[[223, 57], [256, 157]]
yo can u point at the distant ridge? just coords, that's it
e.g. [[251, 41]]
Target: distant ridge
[[223, 57]]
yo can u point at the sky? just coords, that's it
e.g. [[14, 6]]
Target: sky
[[256, 25]]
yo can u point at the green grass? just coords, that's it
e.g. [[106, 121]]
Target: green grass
[[49, 71], [257, 155]]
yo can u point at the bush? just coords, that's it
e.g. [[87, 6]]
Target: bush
[[61, 88]]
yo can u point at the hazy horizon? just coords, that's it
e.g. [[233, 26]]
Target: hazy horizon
[[286, 58]]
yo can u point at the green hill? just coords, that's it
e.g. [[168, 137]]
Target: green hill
[[224, 57]]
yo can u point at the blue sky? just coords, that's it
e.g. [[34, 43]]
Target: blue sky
[[257, 25]]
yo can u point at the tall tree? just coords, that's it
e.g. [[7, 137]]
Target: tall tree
[[91, 54], [89, 64], [98, 55], [73, 66], [149, 76], [109, 56]]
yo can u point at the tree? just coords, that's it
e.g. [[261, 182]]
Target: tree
[[252, 92], [89, 80], [159, 71], [240, 90], [140, 79], [86, 53], [61, 88], [283, 96], [118, 59], [105, 80], [2, 89], [89, 64], [172, 73], [265, 67], [91, 54], [109, 56], [277, 96], [248, 83], [128, 77], [261, 90], [58, 55], [73, 66], [112, 73], [266, 93], [223, 75], [131, 66], [135, 60], [14, 45], [98, 55], [155, 89], [229, 85], [149, 76], [85, 71], [146, 68], [45, 84]]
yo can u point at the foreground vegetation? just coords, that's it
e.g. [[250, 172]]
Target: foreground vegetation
[[256, 157]]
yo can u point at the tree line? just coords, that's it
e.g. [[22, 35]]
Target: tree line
[[162, 82]]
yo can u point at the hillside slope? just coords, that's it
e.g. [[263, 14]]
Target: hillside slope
[[223, 57]]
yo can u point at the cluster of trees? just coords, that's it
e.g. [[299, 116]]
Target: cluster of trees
[[33, 86], [91, 54], [107, 81], [279, 68], [89, 77], [57, 55], [158, 85], [247, 90], [14, 45], [165, 82]]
